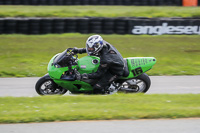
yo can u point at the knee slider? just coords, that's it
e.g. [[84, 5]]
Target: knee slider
[[97, 86]]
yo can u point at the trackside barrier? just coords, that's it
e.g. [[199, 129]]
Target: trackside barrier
[[130, 25], [93, 2]]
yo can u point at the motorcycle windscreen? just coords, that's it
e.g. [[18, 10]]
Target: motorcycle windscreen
[[60, 57]]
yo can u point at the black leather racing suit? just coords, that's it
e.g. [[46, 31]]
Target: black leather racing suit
[[111, 66]]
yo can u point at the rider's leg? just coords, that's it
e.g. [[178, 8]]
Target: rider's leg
[[105, 81]]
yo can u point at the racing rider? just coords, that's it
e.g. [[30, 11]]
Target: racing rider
[[111, 62]]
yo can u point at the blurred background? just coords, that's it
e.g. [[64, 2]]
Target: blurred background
[[98, 16], [32, 31]]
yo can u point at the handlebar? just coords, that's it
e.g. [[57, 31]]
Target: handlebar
[[69, 50]]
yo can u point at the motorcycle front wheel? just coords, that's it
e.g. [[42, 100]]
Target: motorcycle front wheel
[[46, 86], [140, 84]]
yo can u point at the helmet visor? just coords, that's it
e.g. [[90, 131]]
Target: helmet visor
[[91, 49]]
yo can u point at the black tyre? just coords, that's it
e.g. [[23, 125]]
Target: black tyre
[[127, 2], [17, 2], [140, 84], [58, 25], [77, 2], [68, 2], [152, 2], [46, 86], [46, 25], [1, 2], [71, 25], [136, 2], [111, 2], [22, 26], [102, 2], [1, 25], [60, 2], [42, 2], [119, 2], [8, 2], [95, 25], [33, 2], [34, 26], [10, 26], [94, 2], [121, 26], [108, 25], [83, 25], [26, 2]]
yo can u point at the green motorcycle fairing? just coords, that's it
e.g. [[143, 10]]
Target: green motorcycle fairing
[[139, 65], [90, 64], [87, 64]]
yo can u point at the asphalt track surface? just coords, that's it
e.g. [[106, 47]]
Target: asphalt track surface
[[159, 85], [127, 126]]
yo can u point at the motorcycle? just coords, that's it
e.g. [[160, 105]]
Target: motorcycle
[[64, 70]]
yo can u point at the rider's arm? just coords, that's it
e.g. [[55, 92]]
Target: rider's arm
[[103, 67], [79, 50]]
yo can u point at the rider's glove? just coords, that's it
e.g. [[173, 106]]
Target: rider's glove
[[84, 76], [75, 50]]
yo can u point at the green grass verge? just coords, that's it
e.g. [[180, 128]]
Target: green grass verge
[[28, 55], [99, 11], [118, 106]]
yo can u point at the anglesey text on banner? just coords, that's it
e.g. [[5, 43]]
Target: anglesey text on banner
[[166, 29]]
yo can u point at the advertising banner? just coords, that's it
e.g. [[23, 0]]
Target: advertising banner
[[161, 27], [85, 25]]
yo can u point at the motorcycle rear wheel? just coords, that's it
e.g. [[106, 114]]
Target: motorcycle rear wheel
[[46, 86], [140, 84]]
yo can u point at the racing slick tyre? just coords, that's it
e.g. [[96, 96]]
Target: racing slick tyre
[[140, 84], [46, 86]]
